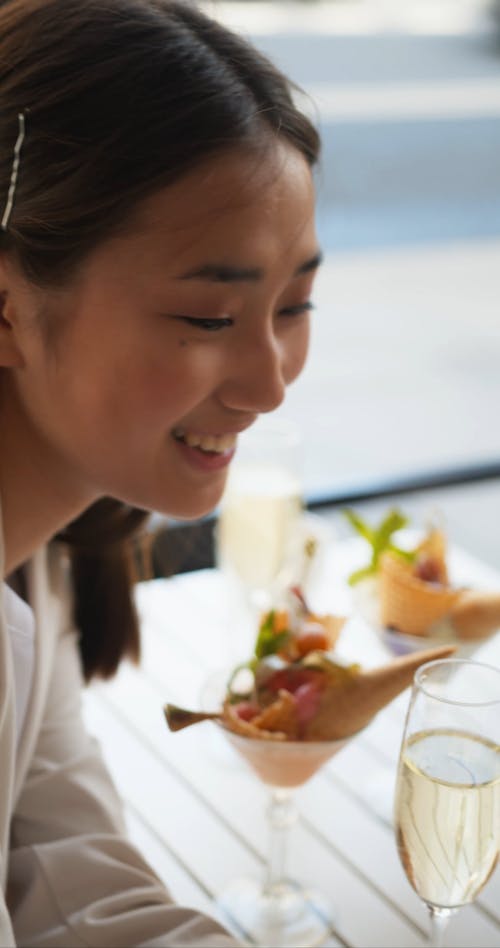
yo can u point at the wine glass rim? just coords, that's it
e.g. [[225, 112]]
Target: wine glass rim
[[420, 673]]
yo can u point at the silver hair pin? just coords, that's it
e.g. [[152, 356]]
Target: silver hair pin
[[15, 170]]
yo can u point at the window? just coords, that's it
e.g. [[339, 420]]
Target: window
[[404, 371]]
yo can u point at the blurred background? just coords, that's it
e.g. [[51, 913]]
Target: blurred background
[[402, 386]]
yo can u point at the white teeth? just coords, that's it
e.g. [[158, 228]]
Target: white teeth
[[192, 440], [227, 442], [209, 443], [217, 443]]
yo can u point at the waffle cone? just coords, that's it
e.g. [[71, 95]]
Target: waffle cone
[[281, 715], [409, 604], [349, 706], [476, 614], [233, 722]]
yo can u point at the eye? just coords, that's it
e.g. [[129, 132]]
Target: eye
[[208, 325], [297, 310]]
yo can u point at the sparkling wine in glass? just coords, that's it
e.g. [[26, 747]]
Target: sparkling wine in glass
[[447, 800], [259, 537]]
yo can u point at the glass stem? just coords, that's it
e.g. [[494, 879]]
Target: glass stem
[[439, 923], [282, 814]]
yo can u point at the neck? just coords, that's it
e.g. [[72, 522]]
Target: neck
[[38, 495]]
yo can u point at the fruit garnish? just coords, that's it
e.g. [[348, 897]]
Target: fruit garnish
[[428, 568], [246, 710], [290, 678], [294, 631], [430, 560], [311, 639], [279, 688]]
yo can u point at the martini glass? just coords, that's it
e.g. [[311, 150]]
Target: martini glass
[[277, 910]]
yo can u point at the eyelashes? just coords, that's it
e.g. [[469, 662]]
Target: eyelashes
[[209, 325], [224, 322], [297, 310]]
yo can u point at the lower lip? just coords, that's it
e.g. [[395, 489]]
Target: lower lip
[[204, 460]]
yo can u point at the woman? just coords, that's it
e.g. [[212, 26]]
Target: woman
[[157, 254]]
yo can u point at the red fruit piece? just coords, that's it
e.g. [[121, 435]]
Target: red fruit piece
[[307, 699], [429, 569], [291, 678], [246, 710]]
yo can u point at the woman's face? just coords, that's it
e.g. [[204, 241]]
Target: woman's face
[[176, 336]]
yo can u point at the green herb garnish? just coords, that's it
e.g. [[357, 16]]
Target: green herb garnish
[[269, 641], [379, 538]]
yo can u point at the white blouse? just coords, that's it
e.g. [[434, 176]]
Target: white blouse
[[21, 628]]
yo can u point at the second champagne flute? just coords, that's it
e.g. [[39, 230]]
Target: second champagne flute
[[258, 533]]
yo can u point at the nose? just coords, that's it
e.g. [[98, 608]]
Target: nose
[[256, 382]]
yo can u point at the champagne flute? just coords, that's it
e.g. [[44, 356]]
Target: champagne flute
[[258, 536], [447, 800]]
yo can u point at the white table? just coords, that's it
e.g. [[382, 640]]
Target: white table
[[197, 813]]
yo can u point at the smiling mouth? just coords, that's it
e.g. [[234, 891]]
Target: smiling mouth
[[209, 444]]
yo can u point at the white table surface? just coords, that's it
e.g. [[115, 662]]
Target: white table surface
[[198, 814]]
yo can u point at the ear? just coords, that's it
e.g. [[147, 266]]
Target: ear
[[11, 354]]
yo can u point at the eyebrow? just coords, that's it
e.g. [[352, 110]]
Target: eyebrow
[[222, 273]]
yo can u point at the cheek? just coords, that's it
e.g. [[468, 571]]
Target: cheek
[[160, 388], [157, 392], [135, 393], [295, 349]]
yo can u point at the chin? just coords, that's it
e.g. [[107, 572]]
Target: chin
[[178, 501], [193, 507], [190, 512]]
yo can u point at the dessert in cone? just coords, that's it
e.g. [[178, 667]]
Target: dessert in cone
[[332, 703], [312, 698], [414, 595], [345, 708], [416, 606], [408, 603], [293, 706]]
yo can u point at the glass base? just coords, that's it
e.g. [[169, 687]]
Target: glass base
[[286, 917]]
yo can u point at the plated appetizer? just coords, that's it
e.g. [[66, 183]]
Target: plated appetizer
[[294, 689], [412, 588]]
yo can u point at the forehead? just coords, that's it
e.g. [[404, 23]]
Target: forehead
[[234, 203]]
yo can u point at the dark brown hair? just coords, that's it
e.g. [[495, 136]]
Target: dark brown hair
[[121, 98]]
